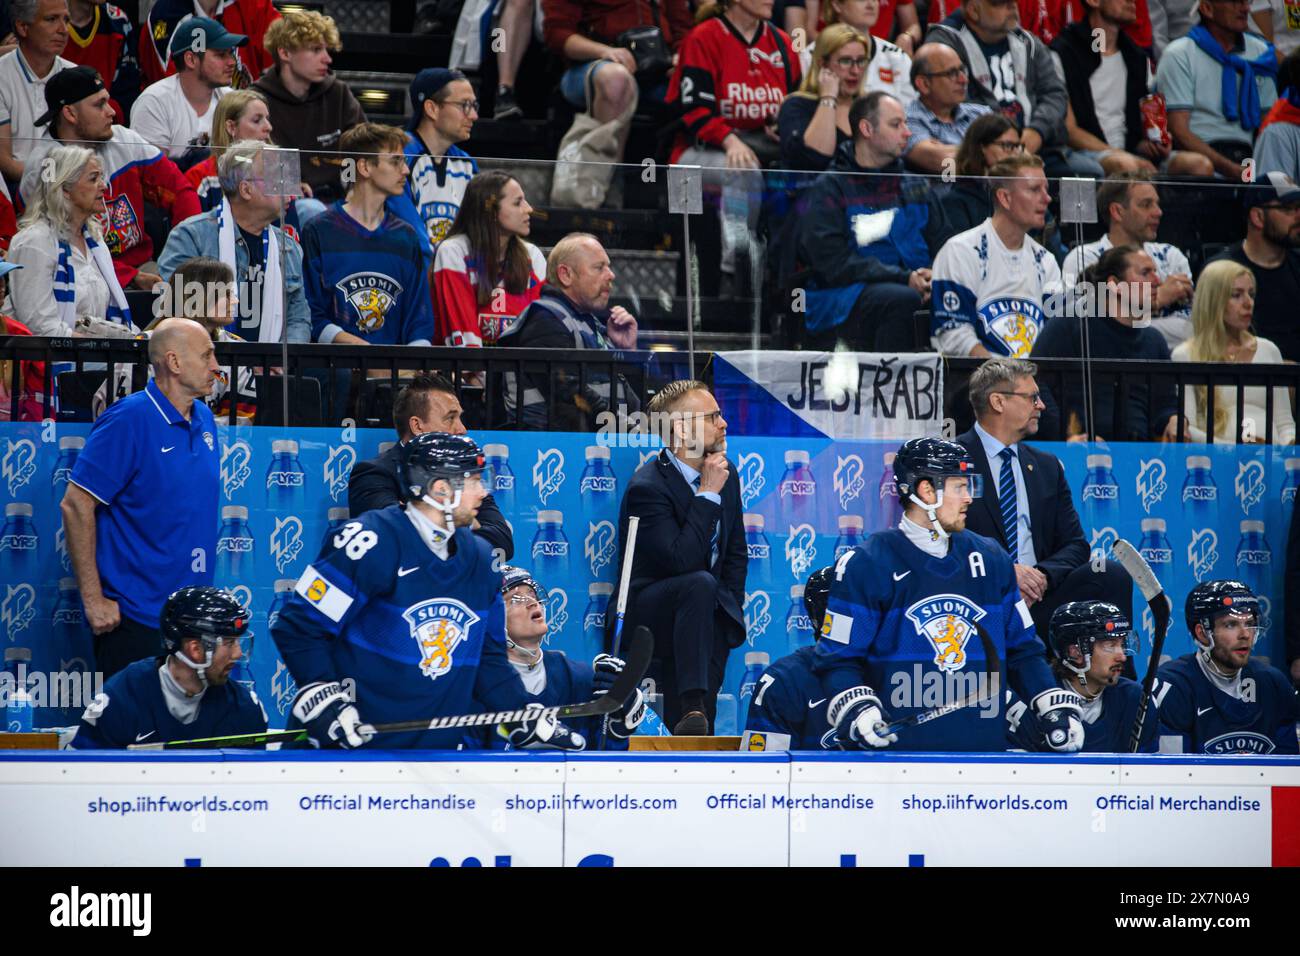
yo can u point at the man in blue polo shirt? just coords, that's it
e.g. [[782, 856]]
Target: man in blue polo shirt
[[140, 512]]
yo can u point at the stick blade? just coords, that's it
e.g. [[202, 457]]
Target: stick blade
[[1138, 569], [638, 651]]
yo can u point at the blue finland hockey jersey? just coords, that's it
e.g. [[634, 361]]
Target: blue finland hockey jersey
[[570, 682], [900, 621], [788, 709], [1107, 733], [419, 635], [370, 284], [132, 710], [1197, 717], [434, 191]]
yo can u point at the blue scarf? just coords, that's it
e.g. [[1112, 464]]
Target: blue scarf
[[65, 284], [1249, 115]]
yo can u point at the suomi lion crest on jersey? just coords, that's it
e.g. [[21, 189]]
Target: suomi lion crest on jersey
[[438, 627], [371, 296], [947, 622], [1015, 322]]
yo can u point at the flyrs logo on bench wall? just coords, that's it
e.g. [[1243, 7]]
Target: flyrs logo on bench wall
[[849, 478], [1250, 486], [236, 466], [548, 473], [338, 468], [1151, 484], [286, 541], [758, 608], [19, 463], [750, 469], [600, 546]]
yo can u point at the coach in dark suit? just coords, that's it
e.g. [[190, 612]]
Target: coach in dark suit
[[688, 570], [427, 403], [1029, 509]]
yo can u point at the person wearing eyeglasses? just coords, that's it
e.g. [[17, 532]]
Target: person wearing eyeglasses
[[310, 108], [939, 116], [444, 110]]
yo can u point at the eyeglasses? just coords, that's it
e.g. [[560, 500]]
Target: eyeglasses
[[848, 62], [952, 74], [465, 106], [713, 417], [1035, 398], [1007, 146], [524, 600]]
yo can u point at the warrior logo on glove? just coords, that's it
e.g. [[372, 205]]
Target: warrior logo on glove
[[945, 621], [438, 627]]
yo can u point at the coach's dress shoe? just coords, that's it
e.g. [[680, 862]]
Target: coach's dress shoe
[[694, 724]]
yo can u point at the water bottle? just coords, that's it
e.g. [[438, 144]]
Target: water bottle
[[500, 479], [798, 626], [652, 724], [336, 518], [755, 663], [283, 587], [724, 717], [1292, 481], [235, 548], [757, 547], [1200, 493], [798, 489], [598, 488], [19, 716], [1100, 496], [71, 651], [891, 509], [69, 448], [850, 534], [550, 547], [593, 618], [1156, 550], [286, 482], [1254, 557]]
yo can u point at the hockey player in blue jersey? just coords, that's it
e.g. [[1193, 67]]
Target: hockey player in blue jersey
[[404, 601], [788, 709], [1216, 700], [552, 677], [186, 694], [1090, 641], [899, 638]]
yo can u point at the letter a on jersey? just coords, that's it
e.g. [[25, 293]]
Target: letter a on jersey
[[946, 621]]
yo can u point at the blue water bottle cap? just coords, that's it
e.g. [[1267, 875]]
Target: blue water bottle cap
[[385, 445], [18, 509], [234, 513], [796, 592], [550, 517], [284, 446], [21, 654], [1292, 464], [600, 589], [796, 457], [67, 584], [889, 457], [1153, 524], [284, 584], [756, 657], [850, 522], [71, 441], [1252, 527], [339, 514], [1098, 461]]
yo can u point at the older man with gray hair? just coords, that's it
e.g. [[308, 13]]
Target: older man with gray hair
[[41, 28], [241, 232], [1027, 505]]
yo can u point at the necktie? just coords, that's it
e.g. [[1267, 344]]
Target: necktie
[[1007, 502], [713, 543]]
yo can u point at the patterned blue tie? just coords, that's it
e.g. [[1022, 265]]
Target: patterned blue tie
[[717, 526], [1007, 502]]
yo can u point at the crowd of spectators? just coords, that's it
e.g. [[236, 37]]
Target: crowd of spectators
[[919, 144]]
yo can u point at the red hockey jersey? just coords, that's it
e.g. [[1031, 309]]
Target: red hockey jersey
[[458, 316], [249, 17], [724, 82], [107, 46]]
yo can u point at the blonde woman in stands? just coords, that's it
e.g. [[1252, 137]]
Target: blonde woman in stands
[[814, 119], [1222, 313], [486, 272]]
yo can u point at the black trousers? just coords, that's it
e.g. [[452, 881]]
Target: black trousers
[[1108, 581], [693, 638], [127, 643], [880, 321]]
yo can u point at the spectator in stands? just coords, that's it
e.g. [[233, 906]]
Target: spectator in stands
[[426, 403], [994, 286], [814, 119], [42, 29], [241, 233], [444, 112], [1027, 506], [8, 220], [80, 112], [879, 17], [864, 236], [248, 17], [31, 375], [486, 272], [516, 25], [101, 38], [1270, 252], [141, 522], [888, 65], [602, 76], [1130, 208], [1106, 87], [1012, 71], [1219, 81], [1115, 299], [1277, 24], [1278, 146], [572, 312], [734, 70], [1222, 315], [310, 108], [687, 582], [968, 202], [67, 271], [940, 116], [366, 280], [175, 114]]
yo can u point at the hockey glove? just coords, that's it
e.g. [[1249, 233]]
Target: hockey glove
[[857, 716], [330, 717], [623, 723], [542, 730], [606, 669], [1060, 714]]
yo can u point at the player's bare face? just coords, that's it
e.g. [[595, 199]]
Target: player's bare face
[[525, 615], [956, 501], [471, 497], [1108, 658], [1234, 636]]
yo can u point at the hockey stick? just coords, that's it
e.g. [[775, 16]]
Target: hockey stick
[[992, 673], [624, 580], [1133, 562], [639, 649]]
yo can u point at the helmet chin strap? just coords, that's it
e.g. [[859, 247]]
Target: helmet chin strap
[[201, 670], [932, 512], [448, 509]]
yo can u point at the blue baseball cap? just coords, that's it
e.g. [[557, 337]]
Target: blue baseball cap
[[8, 267], [215, 36], [427, 84]]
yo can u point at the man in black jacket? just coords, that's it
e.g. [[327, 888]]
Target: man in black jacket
[[427, 403], [1029, 510], [688, 568]]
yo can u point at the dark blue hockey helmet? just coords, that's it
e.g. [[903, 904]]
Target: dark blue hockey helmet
[[431, 456], [815, 595], [1210, 600], [934, 459], [512, 577], [1080, 625], [206, 613]]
